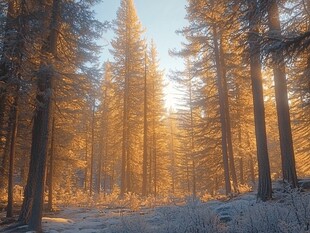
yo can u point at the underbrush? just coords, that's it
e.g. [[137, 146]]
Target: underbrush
[[289, 214]]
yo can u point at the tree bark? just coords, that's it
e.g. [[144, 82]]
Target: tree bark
[[92, 158], [282, 103], [14, 119], [145, 131], [40, 131], [51, 168], [222, 111], [264, 181], [86, 157], [232, 168], [5, 156]]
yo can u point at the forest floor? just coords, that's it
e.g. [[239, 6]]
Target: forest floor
[[289, 211]]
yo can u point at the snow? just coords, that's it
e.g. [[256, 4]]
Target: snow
[[289, 211]]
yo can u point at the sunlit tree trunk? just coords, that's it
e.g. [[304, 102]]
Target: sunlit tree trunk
[[232, 168], [145, 131], [14, 119], [51, 167], [240, 152], [5, 156], [155, 167], [264, 180], [172, 155], [125, 145], [282, 102], [92, 154], [86, 157], [192, 135], [222, 110]]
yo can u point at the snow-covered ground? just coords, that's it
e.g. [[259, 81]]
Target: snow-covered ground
[[288, 212]]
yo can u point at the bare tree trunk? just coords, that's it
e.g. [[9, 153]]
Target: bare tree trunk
[[86, 157], [252, 170], [172, 155], [125, 154], [241, 170], [232, 168], [150, 170], [283, 111], [14, 119], [51, 168], [192, 135], [92, 158], [155, 168], [264, 178], [222, 111], [145, 130], [5, 156], [41, 121], [99, 179]]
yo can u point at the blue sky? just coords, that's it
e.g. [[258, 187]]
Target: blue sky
[[161, 18]]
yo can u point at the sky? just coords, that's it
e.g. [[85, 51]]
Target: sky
[[160, 18]]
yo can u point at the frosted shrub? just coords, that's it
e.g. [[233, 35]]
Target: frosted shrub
[[245, 188], [191, 218], [112, 199], [133, 224], [132, 201], [206, 197], [149, 202], [3, 195], [290, 215]]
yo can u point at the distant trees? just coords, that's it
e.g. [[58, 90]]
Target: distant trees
[[139, 88]]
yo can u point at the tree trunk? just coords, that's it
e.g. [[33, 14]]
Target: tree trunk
[[14, 119], [39, 149], [283, 112], [232, 167], [125, 145], [264, 180], [5, 156], [172, 155], [51, 168], [99, 180], [40, 131], [92, 158], [145, 129], [222, 111], [86, 157], [241, 170], [192, 135]]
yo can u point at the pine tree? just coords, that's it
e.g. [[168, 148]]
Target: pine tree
[[128, 68]]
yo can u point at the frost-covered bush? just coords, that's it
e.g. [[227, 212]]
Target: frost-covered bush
[[133, 224], [132, 201], [112, 200], [290, 213]]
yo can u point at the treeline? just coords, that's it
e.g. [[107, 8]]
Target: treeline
[[242, 115]]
